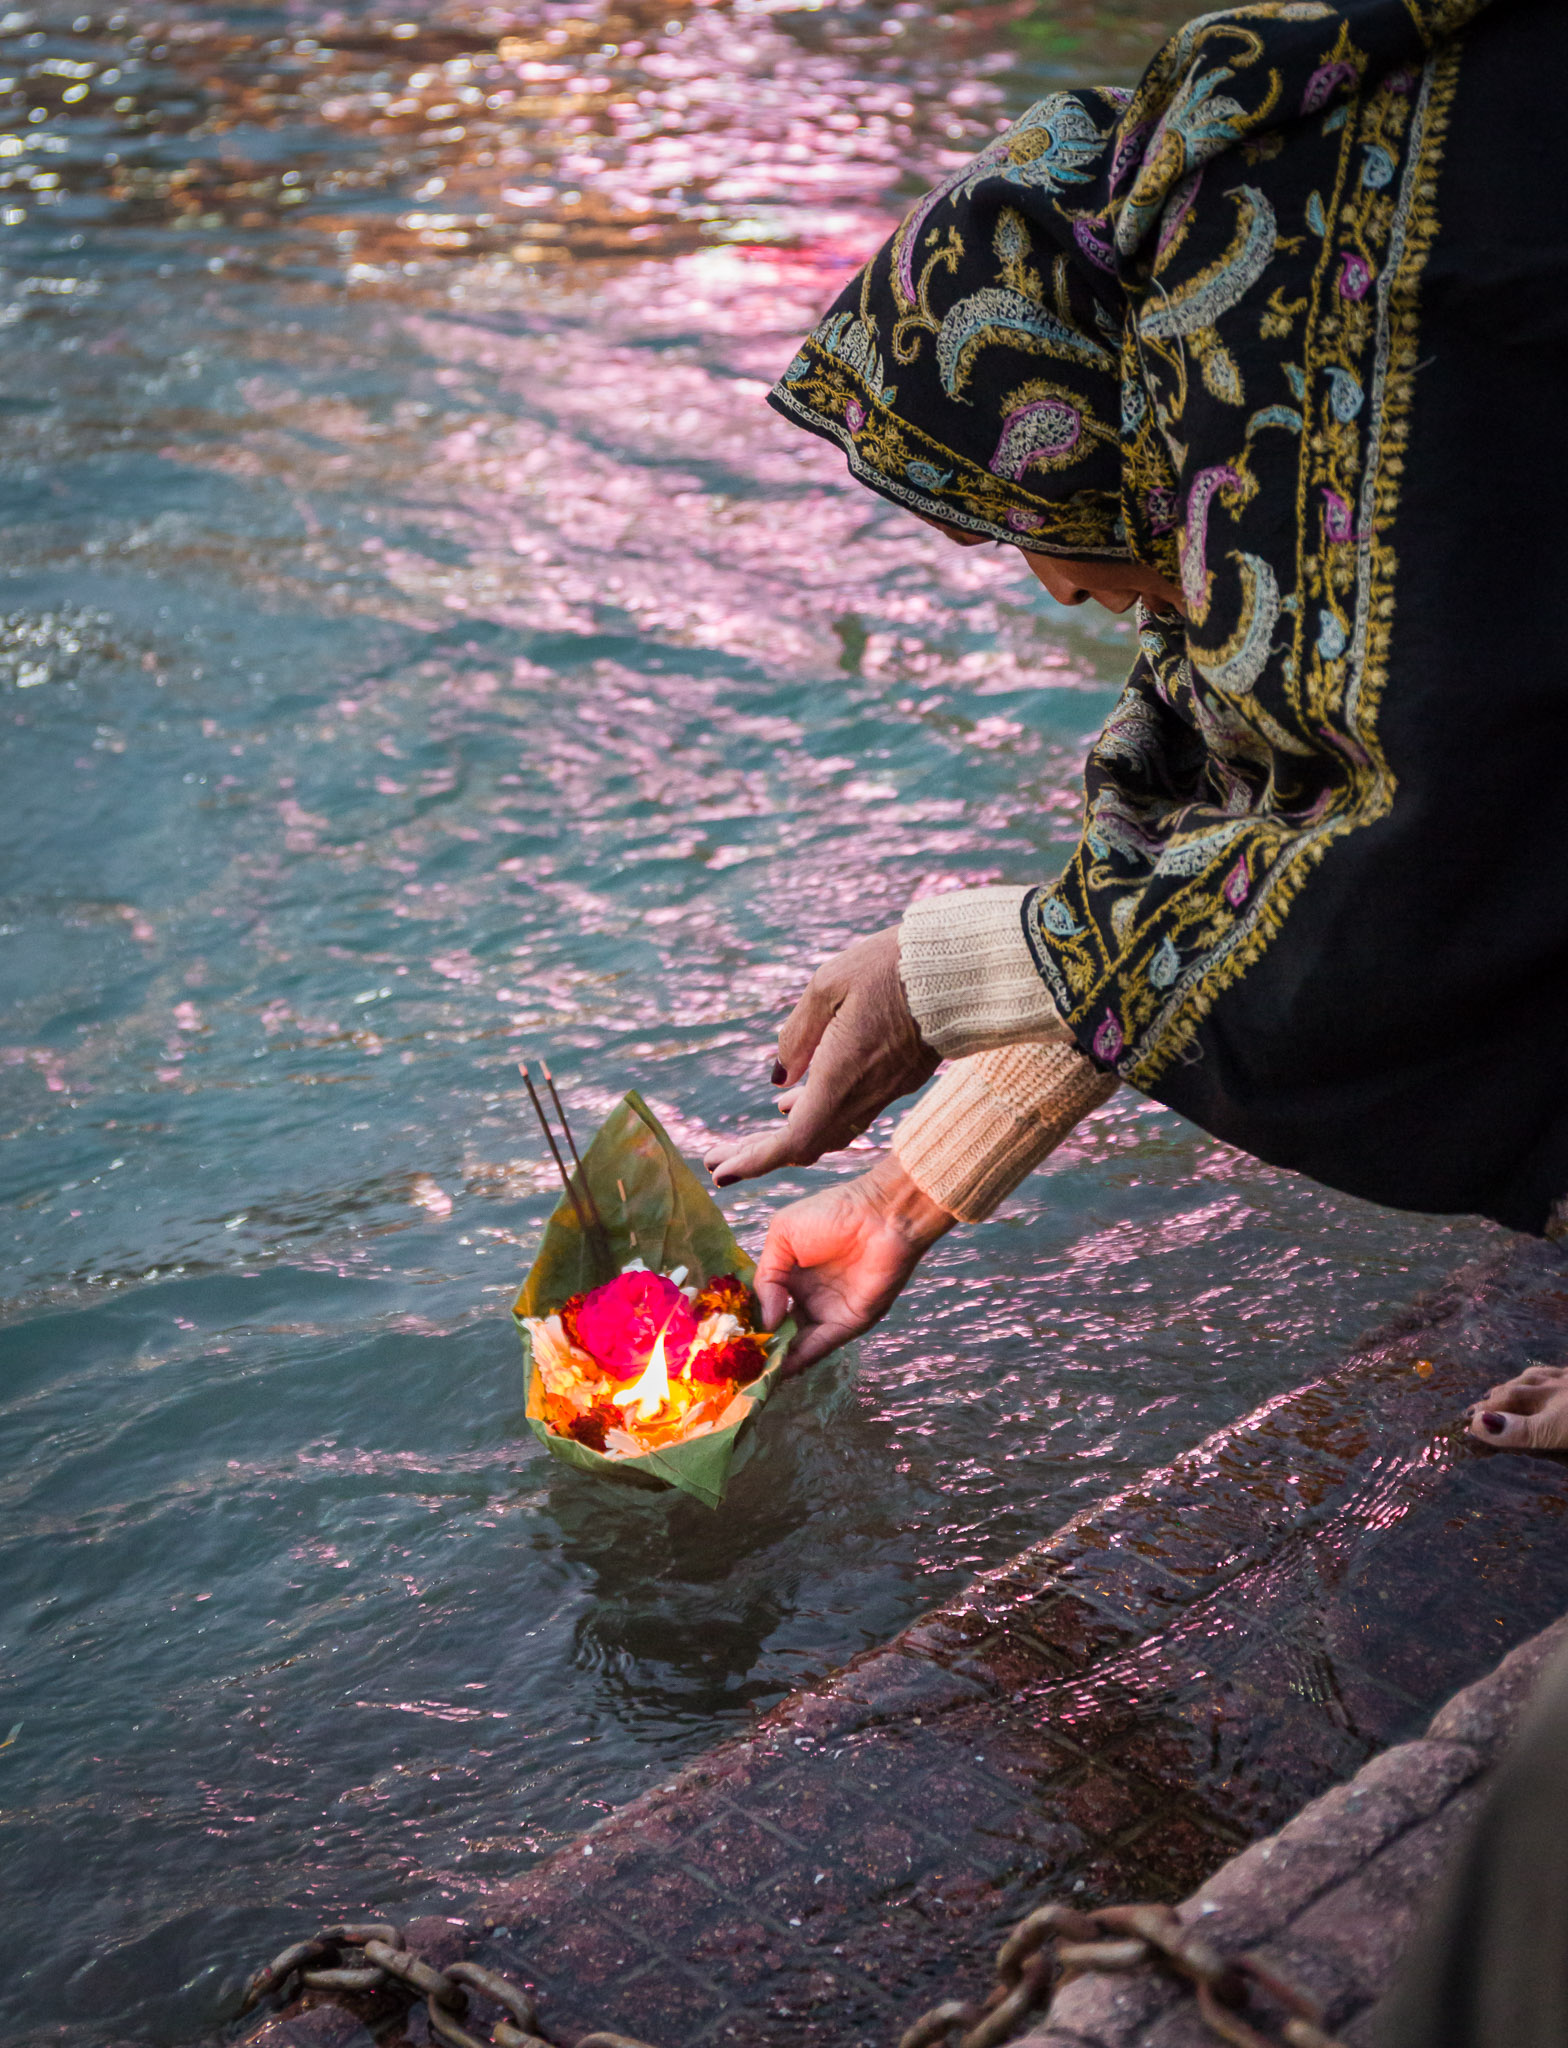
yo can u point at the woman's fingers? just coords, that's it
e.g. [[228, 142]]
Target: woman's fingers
[[826, 1113], [802, 1029], [782, 1287], [825, 1316], [733, 1159], [772, 1299], [1531, 1391], [815, 1342], [852, 1038], [841, 1258], [808, 1269], [774, 1267], [744, 1158], [771, 1279], [800, 1140]]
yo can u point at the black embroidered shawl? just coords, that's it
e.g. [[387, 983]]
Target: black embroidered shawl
[[1183, 325]]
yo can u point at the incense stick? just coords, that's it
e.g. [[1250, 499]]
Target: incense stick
[[620, 1189], [560, 1110], [555, 1150]]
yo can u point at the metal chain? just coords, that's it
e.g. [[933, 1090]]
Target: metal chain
[[1049, 1947], [1056, 1943], [323, 1964]]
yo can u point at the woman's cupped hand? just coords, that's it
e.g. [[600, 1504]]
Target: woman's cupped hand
[[842, 1256]]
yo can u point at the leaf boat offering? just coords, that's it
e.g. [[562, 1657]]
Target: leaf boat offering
[[639, 1326], [646, 1361]]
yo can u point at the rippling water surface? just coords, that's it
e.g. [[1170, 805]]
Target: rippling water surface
[[418, 645]]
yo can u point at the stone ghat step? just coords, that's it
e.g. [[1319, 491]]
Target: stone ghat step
[[1110, 1716], [1332, 1901]]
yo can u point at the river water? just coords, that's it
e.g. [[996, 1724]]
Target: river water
[[420, 646]]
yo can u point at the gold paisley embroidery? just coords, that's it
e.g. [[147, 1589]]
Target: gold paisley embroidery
[[1181, 324], [1140, 998]]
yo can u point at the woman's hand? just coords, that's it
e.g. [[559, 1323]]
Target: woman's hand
[[842, 1257], [853, 1030]]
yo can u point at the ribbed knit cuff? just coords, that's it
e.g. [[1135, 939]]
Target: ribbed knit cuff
[[990, 1120], [968, 974]]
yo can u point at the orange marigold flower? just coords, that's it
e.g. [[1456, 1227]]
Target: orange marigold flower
[[726, 1295]]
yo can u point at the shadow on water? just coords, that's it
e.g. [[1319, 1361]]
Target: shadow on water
[[681, 1603]]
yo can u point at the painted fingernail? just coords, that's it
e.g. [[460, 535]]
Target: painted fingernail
[[780, 1073], [1493, 1423]]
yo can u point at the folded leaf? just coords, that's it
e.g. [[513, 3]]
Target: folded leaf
[[654, 1208]]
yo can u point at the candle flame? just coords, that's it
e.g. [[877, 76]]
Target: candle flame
[[644, 1400]]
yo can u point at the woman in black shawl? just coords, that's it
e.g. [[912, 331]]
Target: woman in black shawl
[[1274, 346]]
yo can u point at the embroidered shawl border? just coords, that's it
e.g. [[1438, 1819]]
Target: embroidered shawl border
[[1143, 1027]]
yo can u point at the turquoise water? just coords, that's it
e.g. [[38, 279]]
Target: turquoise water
[[419, 647]]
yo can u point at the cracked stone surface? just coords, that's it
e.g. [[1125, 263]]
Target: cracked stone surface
[[1112, 1715]]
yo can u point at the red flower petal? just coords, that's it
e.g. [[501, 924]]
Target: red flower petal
[[741, 1359]]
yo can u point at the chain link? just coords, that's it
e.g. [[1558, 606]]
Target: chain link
[[1053, 1944], [322, 1964], [1047, 1948]]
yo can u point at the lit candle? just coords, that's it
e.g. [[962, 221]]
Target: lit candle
[[652, 1391]]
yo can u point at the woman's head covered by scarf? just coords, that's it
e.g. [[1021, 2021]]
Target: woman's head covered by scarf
[[989, 366], [974, 371]]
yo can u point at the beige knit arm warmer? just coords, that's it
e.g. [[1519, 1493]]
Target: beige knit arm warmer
[[1019, 1082], [968, 972], [990, 1120]]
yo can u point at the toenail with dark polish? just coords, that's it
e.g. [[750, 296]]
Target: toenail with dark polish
[[780, 1073], [1493, 1423]]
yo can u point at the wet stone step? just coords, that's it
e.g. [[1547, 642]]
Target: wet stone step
[[1111, 1716], [1333, 1900]]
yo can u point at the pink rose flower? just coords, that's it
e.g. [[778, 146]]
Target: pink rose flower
[[619, 1323]]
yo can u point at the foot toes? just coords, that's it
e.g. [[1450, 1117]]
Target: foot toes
[[1519, 1397], [1544, 1429], [1504, 1432]]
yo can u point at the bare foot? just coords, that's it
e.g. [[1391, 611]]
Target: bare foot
[[1526, 1414]]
